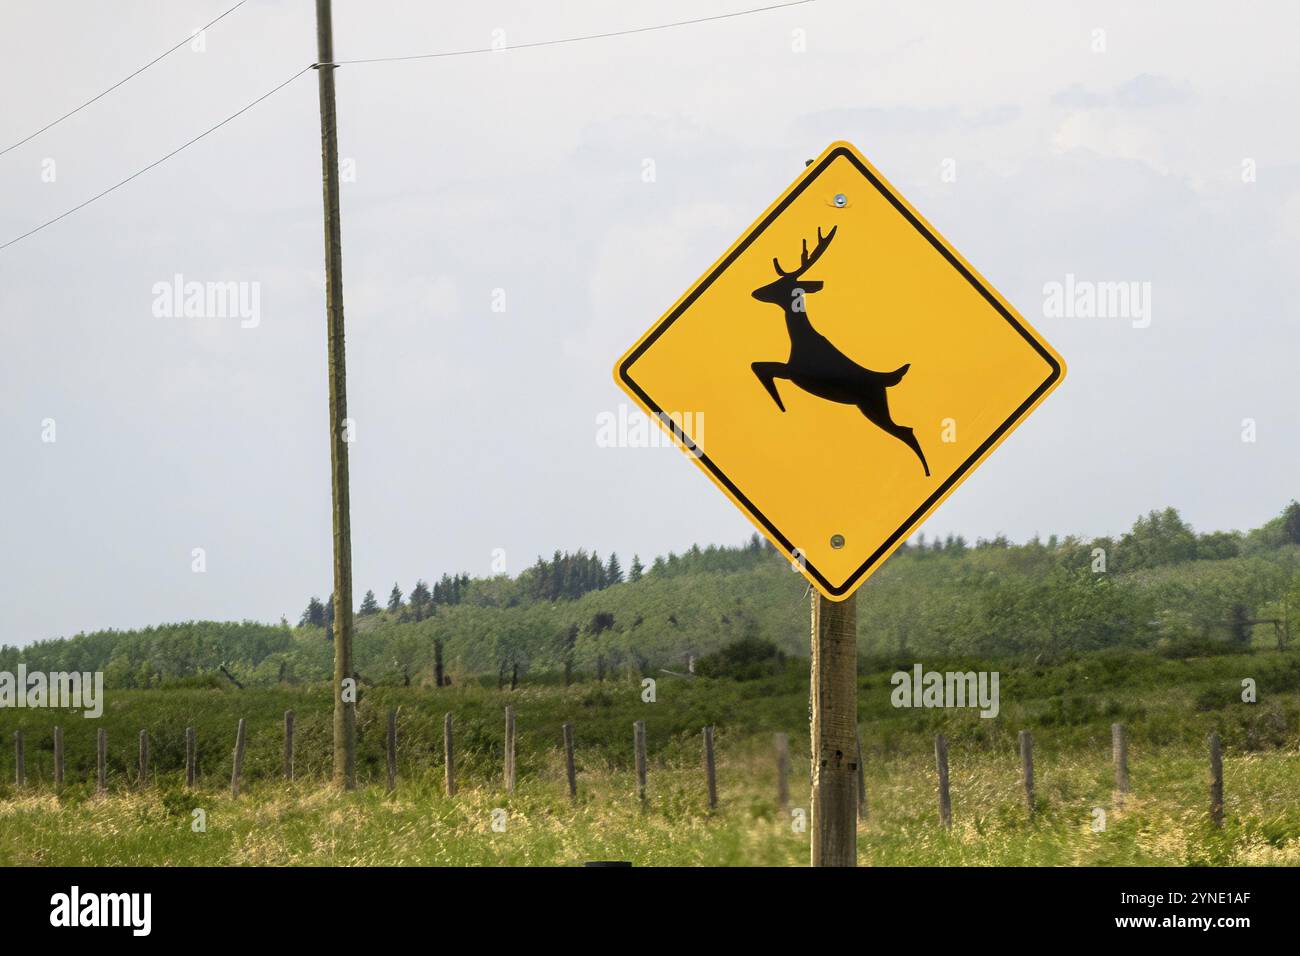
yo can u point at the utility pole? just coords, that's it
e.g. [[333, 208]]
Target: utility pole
[[345, 718], [834, 731]]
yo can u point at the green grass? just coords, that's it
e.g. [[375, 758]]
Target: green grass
[[1168, 706], [1162, 822]]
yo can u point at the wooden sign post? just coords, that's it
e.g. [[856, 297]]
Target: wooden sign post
[[834, 731]]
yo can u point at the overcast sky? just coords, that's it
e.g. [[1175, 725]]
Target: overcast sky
[[1124, 155]]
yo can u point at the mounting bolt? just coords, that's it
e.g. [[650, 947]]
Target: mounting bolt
[[841, 200], [837, 541]]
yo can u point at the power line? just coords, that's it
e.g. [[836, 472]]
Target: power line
[[157, 162], [423, 56], [578, 39], [99, 96]]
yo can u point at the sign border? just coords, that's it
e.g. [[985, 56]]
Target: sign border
[[622, 371]]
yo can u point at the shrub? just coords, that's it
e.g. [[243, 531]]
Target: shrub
[[750, 658]]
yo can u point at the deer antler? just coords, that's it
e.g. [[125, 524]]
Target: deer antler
[[805, 260]]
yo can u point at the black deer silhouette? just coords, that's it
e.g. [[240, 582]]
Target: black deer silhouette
[[817, 366]]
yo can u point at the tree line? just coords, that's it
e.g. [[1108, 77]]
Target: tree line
[[1160, 586]]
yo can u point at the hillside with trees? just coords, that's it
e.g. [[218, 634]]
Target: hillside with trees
[[1160, 587]]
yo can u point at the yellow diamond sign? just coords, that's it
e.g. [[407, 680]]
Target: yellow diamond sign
[[840, 371]]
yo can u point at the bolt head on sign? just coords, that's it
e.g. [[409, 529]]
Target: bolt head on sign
[[852, 368]]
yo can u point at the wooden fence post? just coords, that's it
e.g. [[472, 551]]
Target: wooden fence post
[[1216, 781], [448, 756], [238, 770], [101, 761], [392, 750], [862, 778], [58, 757], [20, 760], [510, 751], [782, 770], [142, 779], [941, 762], [1027, 767], [288, 744], [638, 741], [569, 768], [710, 771], [191, 756], [1119, 751]]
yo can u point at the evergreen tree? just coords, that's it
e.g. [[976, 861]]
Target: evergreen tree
[[314, 616], [420, 599], [634, 573], [395, 599], [579, 580], [1291, 522], [613, 570], [369, 605]]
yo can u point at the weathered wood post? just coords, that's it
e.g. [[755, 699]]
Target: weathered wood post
[[238, 770], [569, 769], [1119, 752], [1027, 767], [191, 756], [58, 757], [834, 731], [638, 743], [448, 756], [782, 742], [710, 770], [1216, 781], [510, 751], [862, 779], [941, 762], [20, 760], [392, 750], [288, 744], [101, 761], [142, 779], [345, 708]]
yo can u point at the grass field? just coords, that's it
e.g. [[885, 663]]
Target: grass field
[[1168, 706], [1164, 820]]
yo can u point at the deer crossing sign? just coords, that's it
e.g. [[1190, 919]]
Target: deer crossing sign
[[852, 367]]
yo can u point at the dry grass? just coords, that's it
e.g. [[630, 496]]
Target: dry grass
[[1162, 822]]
